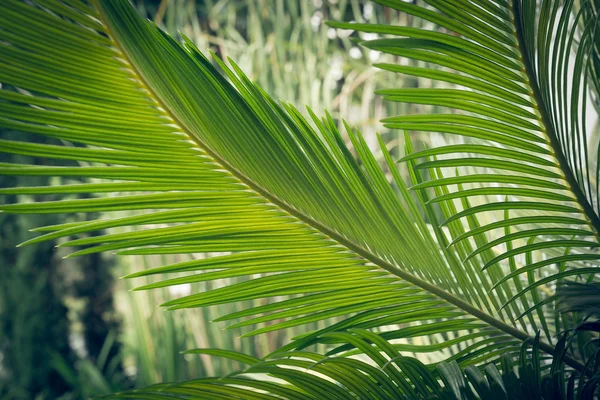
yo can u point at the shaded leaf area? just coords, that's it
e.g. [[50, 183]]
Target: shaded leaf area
[[589, 16], [578, 297]]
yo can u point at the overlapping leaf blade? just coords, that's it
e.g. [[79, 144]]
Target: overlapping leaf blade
[[516, 187]]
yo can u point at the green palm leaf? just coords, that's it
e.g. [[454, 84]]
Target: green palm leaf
[[524, 164], [213, 166]]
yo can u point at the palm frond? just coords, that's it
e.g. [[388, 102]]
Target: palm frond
[[521, 161], [214, 166]]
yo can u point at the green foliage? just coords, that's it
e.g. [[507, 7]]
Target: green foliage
[[268, 40], [383, 375], [207, 165]]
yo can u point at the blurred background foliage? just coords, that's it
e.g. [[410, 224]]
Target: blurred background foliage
[[80, 331]]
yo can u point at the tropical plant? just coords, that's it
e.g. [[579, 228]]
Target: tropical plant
[[268, 39], [216, 166]]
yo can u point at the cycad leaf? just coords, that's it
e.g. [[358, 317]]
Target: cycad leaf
[[220, 167], [522, 162]]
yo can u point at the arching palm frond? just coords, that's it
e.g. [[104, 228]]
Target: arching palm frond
[[219, 168], [522, 160], [210, 166]]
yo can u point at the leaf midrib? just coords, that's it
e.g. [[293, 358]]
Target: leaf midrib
[[349, 244]]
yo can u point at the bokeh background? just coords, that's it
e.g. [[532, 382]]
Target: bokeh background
[[69, 327]]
